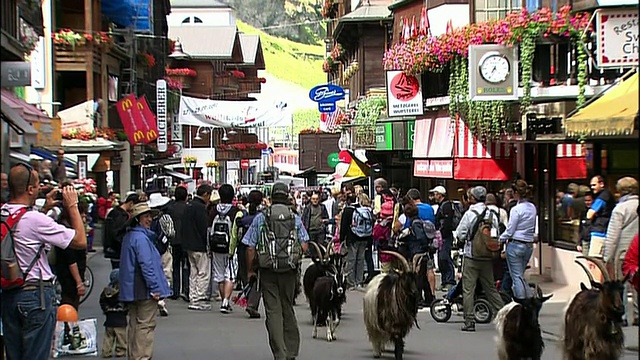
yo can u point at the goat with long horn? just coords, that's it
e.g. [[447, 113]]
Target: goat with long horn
[[593, 319]]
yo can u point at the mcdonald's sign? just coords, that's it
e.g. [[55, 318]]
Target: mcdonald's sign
[[132, 120], [148, 119]]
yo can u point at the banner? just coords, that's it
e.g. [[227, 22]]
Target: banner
[[78, 117], [161, 111], [150, 127], [131, 119], [219, 113]]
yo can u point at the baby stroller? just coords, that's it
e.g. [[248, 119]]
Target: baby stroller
[[442, 309]]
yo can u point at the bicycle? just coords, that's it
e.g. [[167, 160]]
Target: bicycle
[[88, 285]]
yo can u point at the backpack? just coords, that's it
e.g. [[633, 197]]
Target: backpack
[[430, 234], [243, 223], [386, 208], [483, 245], [457, 213], [362, 222], [220, 234], [12, 276], [501, 227], [278, 247]]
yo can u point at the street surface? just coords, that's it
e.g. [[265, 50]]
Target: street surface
[[196, 335]]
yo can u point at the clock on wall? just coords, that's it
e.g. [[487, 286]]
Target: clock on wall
[[494, 67]]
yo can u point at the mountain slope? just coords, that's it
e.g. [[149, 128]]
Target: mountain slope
[[298, 63]]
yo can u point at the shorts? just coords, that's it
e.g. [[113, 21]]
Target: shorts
[[224, 268], [596, 246]]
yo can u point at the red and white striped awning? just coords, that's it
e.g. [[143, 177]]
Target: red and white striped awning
[[571, 162], [475, 160]]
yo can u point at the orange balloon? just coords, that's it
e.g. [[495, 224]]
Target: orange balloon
[[67, 313]]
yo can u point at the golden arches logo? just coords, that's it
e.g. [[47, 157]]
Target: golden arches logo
[[138, 136], [140, 106], [151, 134], [127, 104]]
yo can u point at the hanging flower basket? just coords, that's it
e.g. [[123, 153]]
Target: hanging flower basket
[[189, 159], [181, 76], [212, 164]]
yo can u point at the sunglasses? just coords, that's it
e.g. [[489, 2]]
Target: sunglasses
[[30, 170]]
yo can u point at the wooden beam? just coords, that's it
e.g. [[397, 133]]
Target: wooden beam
[[88, 26]]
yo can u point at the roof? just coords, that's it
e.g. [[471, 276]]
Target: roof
[[401, 3], [193, 40], [177, 4], [367, 13], [249, 45]]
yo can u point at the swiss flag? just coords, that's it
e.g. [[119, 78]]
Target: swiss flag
[[414, 28], [449, 26], [407, 29], [425, 28]]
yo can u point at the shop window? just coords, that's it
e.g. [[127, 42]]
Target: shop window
[[496, 9]]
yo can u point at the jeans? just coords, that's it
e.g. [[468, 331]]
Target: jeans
[[518, 255], [368, 259], [355, 262], [180, 271], [445, 263], [507, 283], [28, 330]]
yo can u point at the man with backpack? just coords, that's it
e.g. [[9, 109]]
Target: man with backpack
[[180, 261], [224, 268], [277, 239], [28, 292], [356, 231], [447, 219], [478, 229]]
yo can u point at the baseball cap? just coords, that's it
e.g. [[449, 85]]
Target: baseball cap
[[439, 189], [280, 188]]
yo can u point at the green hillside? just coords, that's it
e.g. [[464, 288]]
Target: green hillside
[[287, 60]]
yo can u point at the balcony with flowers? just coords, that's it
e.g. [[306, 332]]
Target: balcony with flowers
[[74, 50], [180, 78], [530, 32], [228, 80]]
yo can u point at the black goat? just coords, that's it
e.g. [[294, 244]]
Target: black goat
[[390, 307], [519, 336], [593, 319], [328, 295], [325, 263]]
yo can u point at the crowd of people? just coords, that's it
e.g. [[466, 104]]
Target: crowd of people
[[200, 248]]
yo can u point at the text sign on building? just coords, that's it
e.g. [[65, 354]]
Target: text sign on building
[[442, 169], [384, 138], [493, 72], [617, 37], [161, 114], [15, 73], [404, 94], [326, 96]]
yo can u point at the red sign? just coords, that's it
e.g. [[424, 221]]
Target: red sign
[[433, 168], [244, 164], [345, 157], [404, 87], [131, 119], [148, 119]]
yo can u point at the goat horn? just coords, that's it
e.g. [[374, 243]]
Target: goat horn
[[616, 263], [585, 270], [404, 262], [329, 250], [319, 253], [599, 264]]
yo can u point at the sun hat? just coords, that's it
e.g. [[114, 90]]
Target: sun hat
[[139, 209], [157, 200]]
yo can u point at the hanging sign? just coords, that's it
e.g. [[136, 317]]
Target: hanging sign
[[617, 37], [131, 119], [493, 72], [244, 164], [326, 96], [150, 127], [333, 159], [161, 112], [404, 94]]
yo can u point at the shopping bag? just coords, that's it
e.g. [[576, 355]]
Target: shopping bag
[[79, 338]]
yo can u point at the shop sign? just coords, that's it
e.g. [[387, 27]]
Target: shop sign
[[442, 169], [618, 37], [333, 159], [244, 164], [49, 134], [384, 136], [326, 96], [404, 94], [148, 120], [131, 119], [411, 133], [493, 72], [82, 167], [15, 73], [161, 113]]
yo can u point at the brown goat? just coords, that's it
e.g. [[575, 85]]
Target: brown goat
[[593, 320]]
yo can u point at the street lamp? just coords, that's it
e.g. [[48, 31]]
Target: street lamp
[[178, 53]]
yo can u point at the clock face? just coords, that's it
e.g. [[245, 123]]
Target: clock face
[[494, 68]]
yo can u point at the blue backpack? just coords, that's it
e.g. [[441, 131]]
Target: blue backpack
[[362, 221]]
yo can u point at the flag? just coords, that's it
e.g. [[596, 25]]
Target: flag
[[425, 28], [402, 39], [329, 121], [449, 27], [414, 28], [407, 29]]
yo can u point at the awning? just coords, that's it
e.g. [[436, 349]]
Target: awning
[[47, 155], [612, 114], [571, 162], [20, 157], [30, 113], [363, 14], [433, 148], [181, 176], [475, 160], [20, 125], [87, 146]]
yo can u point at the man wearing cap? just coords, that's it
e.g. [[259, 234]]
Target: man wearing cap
[[444, 222], [278, 275], [115, 228], [476, 269]]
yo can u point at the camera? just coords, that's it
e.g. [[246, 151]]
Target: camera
[[58, 195]]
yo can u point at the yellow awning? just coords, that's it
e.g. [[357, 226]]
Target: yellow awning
[[612, 114]]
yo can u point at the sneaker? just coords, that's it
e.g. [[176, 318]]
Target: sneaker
[[253, 314], [162, 307], [226, 309], [468, 327], [199, 307]]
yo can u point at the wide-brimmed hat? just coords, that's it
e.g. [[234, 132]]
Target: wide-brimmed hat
[[157, 200], [139, 209]]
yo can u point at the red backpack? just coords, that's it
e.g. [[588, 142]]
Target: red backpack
[[12, 275], [387, 206]]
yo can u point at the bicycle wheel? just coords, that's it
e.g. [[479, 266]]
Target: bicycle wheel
[[88, 284]]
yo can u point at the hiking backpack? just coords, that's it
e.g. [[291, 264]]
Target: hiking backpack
[[433, 236], [220, 234], [12, 275], [483, 245], [457, 213], [278, 247], [362, 221], [243, 223]]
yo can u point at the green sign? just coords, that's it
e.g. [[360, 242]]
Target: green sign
[[333, 159], [384, 139], [411, 133]]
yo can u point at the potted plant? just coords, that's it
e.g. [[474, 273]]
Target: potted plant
[[182, 75], [146, 60], [212, 164]]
